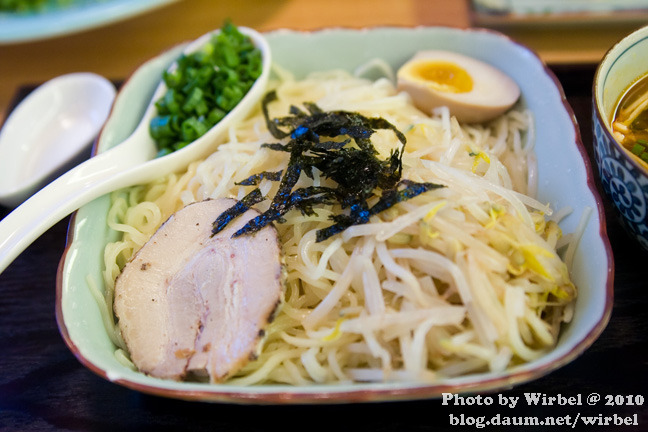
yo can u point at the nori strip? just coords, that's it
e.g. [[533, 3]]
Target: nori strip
[[325, 141], [388, 199], [255, 179], [236, 210]]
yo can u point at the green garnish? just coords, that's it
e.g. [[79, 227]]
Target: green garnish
[[25, 6], [338, 144], [637, 149], [21, 5], [644, 157], [204, 87]]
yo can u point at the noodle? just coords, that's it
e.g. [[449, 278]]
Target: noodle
[[461, 279]]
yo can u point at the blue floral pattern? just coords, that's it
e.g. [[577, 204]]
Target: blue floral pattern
[[624, 184]]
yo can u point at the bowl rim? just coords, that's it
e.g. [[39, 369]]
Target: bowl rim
[[328, 394], [605, 65]]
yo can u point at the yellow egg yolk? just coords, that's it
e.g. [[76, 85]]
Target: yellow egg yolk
[[442, 75]]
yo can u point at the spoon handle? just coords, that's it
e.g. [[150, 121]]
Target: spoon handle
[[97, 176]]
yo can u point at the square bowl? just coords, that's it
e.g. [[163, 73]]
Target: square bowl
[[563, 181]]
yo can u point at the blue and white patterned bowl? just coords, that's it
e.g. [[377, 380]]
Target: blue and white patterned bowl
[[624, 177]]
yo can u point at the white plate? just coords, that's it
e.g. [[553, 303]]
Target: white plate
[[544, 13], [566, 179], [79, 15]]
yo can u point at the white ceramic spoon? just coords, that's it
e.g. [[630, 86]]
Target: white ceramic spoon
[[49, 130], [129, 163]]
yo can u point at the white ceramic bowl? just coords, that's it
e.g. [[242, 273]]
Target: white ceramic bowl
[[623, 175], [565, 179]]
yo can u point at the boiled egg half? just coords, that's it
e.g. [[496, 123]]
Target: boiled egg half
[[472, 90]]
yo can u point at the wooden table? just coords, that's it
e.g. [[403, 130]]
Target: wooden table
[[43, 387], [117, 49]]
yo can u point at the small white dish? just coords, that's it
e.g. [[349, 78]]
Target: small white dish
[[49, 130]]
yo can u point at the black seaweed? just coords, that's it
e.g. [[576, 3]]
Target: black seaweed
[[255, 179], [338, 144], [236, 210]]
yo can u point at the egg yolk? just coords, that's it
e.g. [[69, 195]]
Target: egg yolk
[[443, 76]]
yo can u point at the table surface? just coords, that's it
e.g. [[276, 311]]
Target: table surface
[[117, 49], [44, 387]]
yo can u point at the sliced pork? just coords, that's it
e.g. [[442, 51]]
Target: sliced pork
[[188, 302]]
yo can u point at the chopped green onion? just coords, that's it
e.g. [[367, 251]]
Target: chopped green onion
[[169, 103], [215, 116], [26, 5], [163, 127], [195, 102], [192, 128], [204, 87], [637, 149], [644, 157]]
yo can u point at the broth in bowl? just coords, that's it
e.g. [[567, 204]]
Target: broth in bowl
[[630, 120]]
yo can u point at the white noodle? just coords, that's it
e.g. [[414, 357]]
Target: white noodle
[[460, 279]]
